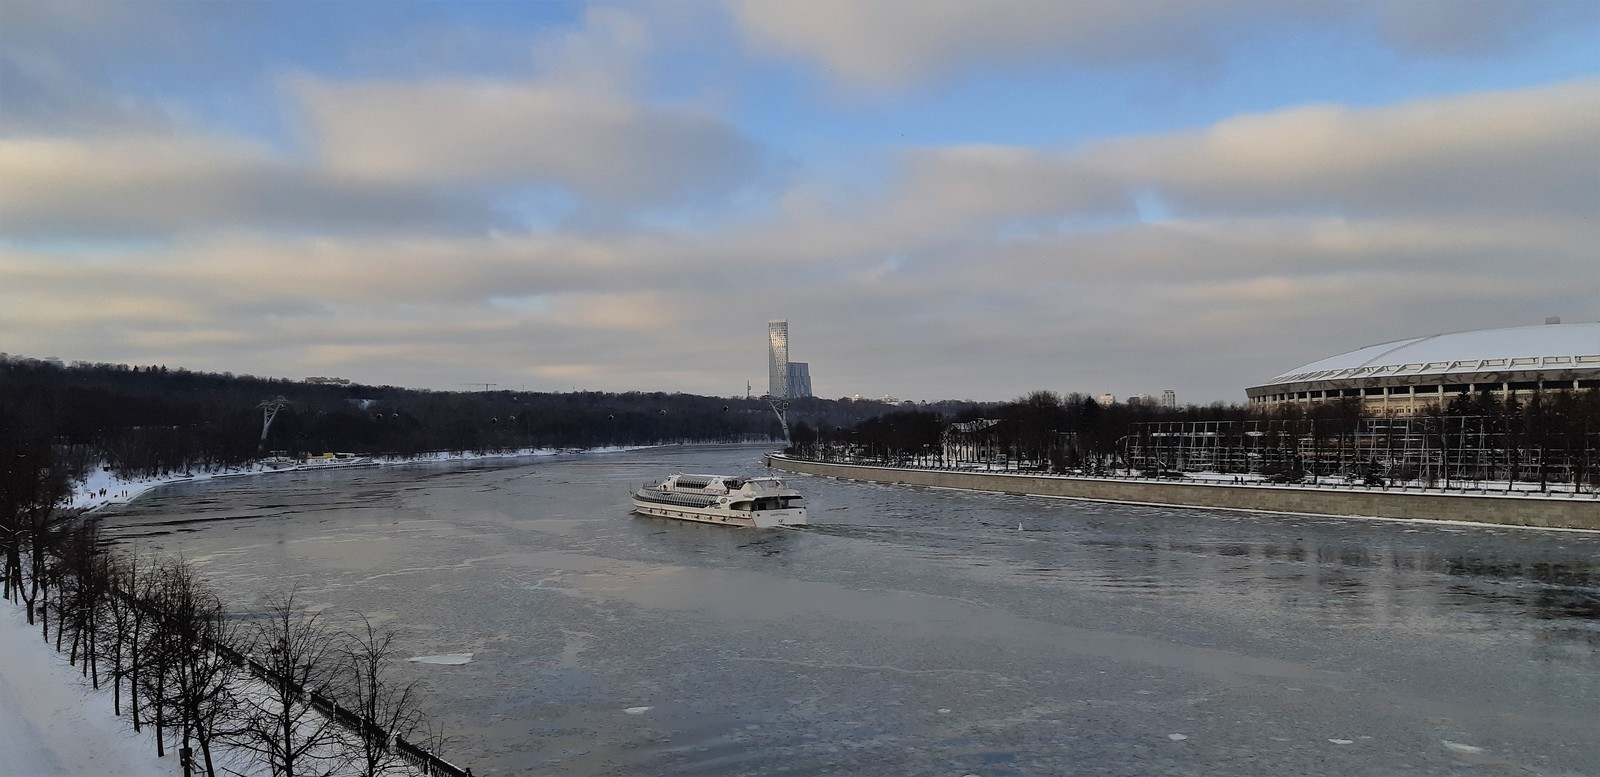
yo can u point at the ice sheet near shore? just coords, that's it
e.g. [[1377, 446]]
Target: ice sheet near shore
[[52, 723]]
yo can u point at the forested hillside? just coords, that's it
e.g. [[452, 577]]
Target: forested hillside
[[148, 420]]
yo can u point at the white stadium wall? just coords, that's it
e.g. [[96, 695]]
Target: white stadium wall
[[1406, 376]]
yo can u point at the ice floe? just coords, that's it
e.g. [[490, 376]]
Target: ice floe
[[444, 659]]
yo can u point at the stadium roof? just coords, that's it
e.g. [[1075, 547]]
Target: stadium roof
[[1546, 347]]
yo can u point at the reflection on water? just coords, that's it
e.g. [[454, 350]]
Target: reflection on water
[[917, 631]]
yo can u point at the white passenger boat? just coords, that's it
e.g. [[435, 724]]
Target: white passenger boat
[[721, 499]]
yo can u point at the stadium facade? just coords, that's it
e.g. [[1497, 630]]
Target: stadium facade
[[1406, 376]]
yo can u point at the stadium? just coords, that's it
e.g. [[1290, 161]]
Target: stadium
[[1406, 376]]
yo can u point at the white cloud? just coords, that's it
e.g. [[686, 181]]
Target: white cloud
[[1530, 151], [889, 43], [161, 182], [975, 271], [597, 144]]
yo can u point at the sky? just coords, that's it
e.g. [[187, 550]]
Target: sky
[[963, 200]]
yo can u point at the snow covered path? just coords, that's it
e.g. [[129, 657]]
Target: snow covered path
[[52, 723]]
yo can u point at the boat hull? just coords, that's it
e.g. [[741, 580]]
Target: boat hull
[[763, 519]]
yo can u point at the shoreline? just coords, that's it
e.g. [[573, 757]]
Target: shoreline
[[86, 497], [1515, 510]]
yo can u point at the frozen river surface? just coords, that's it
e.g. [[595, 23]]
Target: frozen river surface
[[922, 632]]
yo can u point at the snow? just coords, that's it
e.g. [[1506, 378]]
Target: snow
[[1487, 488], [118, 490], [51, 723]]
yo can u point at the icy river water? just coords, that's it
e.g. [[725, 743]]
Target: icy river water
[[921, 632]]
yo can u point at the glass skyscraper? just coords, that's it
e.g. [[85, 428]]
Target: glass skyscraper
[[785, 379], [778, 358]]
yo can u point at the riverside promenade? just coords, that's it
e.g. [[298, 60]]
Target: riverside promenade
[[1532, 509]]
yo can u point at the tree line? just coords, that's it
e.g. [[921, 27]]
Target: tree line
[[1043, 427], [145, 421], [1537, 437], [216, 686]]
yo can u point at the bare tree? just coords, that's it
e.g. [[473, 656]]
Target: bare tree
[[82, 572], [116, 632], [200, 691], [281, 726], [31, 484], [386, 709], [154, 664], [134, 595]]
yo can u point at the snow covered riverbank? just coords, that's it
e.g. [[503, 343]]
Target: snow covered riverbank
[[102, 488], [52, 723]]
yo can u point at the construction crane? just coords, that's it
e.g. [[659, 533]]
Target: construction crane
[[485, 386]]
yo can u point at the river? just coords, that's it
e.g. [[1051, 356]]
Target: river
[[919, 632]]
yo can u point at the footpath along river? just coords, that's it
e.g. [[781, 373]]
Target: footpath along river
[[920, 632]]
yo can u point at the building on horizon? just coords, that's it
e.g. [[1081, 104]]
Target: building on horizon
[[1405, 377], [778, 358], [1169, 399], [1108, 399], [785, 379], [799, 379]]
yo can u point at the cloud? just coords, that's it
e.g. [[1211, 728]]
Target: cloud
[[1530, 151], [888, 43], [574, 122], [156, 183], [599, 145], [892, 43], [980, 271], [1472, 28], [65, 64]]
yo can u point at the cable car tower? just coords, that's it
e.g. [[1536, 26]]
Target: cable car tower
[[269, 410], [780, 406]]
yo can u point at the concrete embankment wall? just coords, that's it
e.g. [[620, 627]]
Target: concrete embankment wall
[[1581, 512]]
